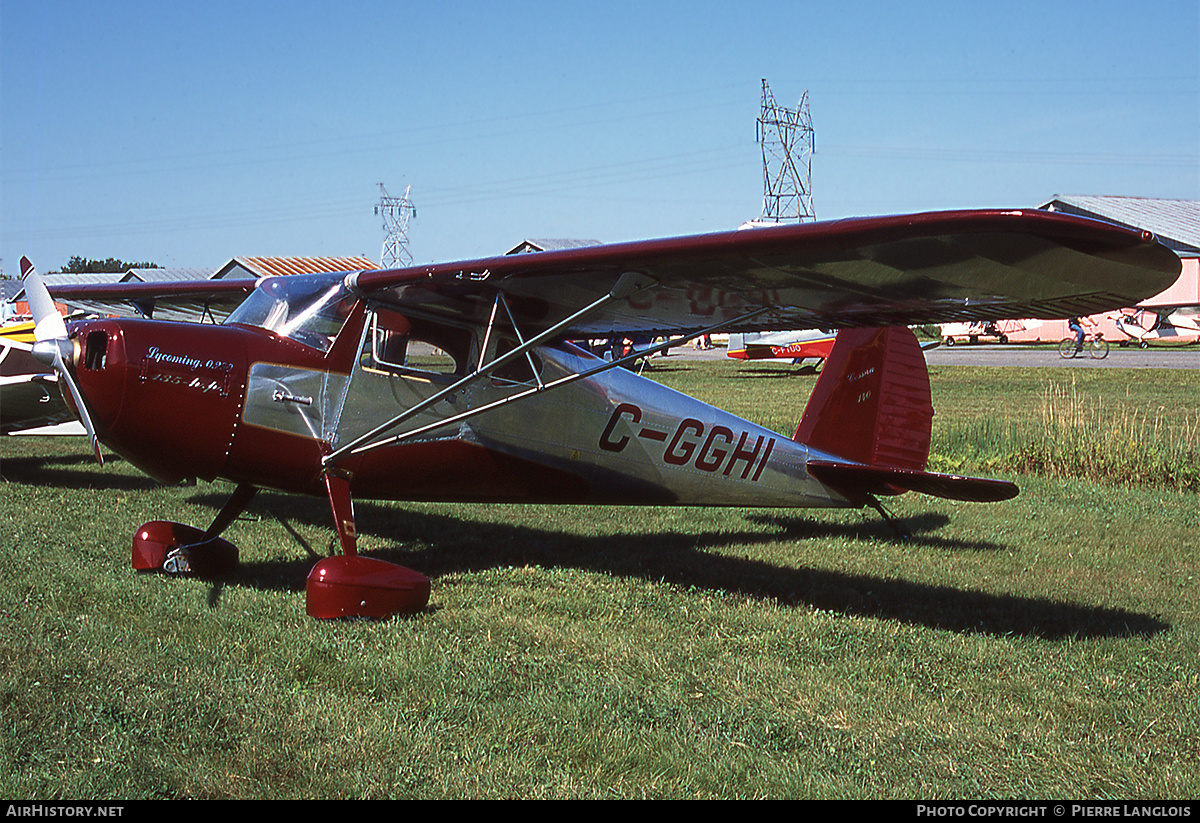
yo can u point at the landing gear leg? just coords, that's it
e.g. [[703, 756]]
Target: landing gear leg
[[874, 503], [348, 585], [337, 486]]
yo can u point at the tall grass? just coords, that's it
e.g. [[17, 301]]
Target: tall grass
[[1115, 426], [1081, 434]]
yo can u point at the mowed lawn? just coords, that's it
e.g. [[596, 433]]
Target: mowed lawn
[[1045, 647]]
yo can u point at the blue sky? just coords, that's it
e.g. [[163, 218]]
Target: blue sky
[[189, 133]]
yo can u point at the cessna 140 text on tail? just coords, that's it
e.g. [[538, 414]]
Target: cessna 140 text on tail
[[310, 385]]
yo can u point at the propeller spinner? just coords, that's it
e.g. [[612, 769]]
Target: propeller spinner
[[52, 347]]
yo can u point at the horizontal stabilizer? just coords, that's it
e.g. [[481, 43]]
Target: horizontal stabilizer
[[857, 483]]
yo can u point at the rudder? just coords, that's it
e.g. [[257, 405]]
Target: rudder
[[872, 402]]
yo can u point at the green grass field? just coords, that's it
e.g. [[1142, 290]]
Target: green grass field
[[1045, 647]]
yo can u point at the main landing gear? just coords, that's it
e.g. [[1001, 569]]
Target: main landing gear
[[344, 585], [351, 586]]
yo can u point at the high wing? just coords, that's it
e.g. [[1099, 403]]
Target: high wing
[[186, 300], [867, 272]]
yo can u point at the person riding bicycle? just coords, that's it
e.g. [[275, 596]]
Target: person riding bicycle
[[1075, 324]]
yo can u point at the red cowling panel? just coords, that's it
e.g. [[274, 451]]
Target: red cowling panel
[[872, 402], [166, 396]]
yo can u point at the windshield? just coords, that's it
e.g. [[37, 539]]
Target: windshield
[[309, 309]]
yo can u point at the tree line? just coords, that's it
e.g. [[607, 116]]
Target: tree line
[[82, 265]]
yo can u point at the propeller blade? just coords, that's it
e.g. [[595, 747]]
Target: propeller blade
[[50, 332], [65, 378], [48, 323]]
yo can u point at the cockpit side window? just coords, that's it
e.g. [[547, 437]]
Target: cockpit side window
[[524, 369], [389, 340], [415, 348]]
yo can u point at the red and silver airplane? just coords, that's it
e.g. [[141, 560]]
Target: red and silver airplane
[[796, 346], [314, 384]]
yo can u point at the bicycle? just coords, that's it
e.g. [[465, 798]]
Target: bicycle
[[1096, 347]]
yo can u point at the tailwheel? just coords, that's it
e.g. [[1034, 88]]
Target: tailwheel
[[175, 548], [354, 586]]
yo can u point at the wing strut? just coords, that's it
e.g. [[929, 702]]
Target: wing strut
[[626, 285], [356, 448], [512, 322]]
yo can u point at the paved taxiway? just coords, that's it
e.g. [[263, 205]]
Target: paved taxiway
[[1185, 357], [993, 354]]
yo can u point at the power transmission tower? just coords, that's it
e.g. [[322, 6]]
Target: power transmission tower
[[396, 212], [788, 142]]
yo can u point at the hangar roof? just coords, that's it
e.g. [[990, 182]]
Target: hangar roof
[[1176, 222], [553, 244], [255, 267], [168, 275]]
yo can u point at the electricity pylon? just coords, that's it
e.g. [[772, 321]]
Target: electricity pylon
[[788, 142], [396, 212]]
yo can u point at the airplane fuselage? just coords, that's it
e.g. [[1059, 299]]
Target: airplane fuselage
[[257, 407]]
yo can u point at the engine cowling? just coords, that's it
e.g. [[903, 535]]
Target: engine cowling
[[165, 396]]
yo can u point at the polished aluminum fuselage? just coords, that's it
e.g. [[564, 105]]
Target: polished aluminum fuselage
[[613, 437]]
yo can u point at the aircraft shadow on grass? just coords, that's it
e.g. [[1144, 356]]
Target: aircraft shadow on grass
[[456, 544], [77, 472]]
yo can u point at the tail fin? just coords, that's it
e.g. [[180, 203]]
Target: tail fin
[[871, 403], [871, 410]]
